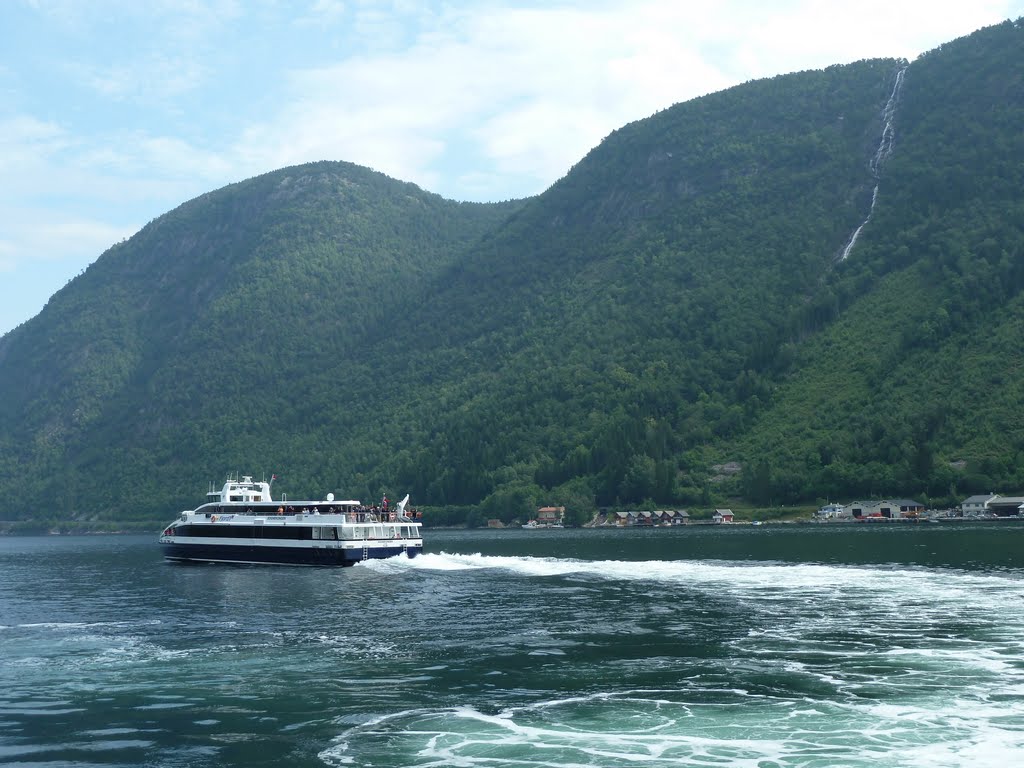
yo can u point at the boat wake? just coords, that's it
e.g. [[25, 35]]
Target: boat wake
[[815, 577], [825, 665], [661, 727]]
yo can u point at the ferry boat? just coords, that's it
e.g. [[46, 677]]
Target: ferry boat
[[241, 523]]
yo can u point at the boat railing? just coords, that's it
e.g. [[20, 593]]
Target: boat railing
[[367, 516]]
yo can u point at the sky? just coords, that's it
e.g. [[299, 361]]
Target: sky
[[113, 112]]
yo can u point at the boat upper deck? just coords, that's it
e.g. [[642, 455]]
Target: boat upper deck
[[251, 499], [308, 513]]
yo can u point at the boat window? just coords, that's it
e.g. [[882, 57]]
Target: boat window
[[324, 533], [220, 531]]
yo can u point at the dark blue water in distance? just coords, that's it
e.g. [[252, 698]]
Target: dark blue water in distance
[[758, 647]]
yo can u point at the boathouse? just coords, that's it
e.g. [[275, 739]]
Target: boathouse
[[888, 509], [645, 518], [973, 506], [1006, 506], [673, 517]]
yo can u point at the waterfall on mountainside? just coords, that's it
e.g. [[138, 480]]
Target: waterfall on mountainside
[[883, 151]]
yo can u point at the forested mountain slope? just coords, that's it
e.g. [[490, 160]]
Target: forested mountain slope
[[630, 315], [917, 383], [676, 301], [211, 340]]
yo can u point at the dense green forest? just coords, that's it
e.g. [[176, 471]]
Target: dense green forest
[[675, 304]]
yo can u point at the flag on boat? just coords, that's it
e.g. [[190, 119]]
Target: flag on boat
[[402, 503]]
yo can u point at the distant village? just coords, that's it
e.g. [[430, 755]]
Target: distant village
[[982, 507], [990, 506]]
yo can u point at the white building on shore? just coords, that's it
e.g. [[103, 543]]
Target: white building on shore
[[976, 506]]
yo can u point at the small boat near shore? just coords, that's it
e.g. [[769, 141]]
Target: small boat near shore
[[242, 523]]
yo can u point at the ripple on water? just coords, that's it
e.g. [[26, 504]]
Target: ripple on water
[[651, 727], [483, 660]]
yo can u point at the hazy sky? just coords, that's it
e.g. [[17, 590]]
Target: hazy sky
[[113, 112]]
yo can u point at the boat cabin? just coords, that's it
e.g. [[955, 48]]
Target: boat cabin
[[244, 490]]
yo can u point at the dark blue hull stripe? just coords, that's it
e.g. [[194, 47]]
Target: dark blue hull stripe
[[240, 553]]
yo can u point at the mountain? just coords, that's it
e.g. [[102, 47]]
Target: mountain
[[914, 383], [212, 338], [678, 302]]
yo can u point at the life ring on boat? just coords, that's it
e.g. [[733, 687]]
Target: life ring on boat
[[213, 519]]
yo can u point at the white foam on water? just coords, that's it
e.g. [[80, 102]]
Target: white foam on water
[[70, 625], [848, 665], [429, 561], [980, 656], [868, 591], [464, 736], [992, 748], [643, 728], [111, 731], [819, 577], [109, 745]]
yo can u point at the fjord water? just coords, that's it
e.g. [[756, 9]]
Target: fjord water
[[743, 646]]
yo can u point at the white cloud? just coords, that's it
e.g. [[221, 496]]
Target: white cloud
[[34, 231], [524, 92], [26, 140], [321, 12], [813, 33], [139, 156], [154, 79], [482, 100]]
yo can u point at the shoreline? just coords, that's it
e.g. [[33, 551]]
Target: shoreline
[[11, 528]]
